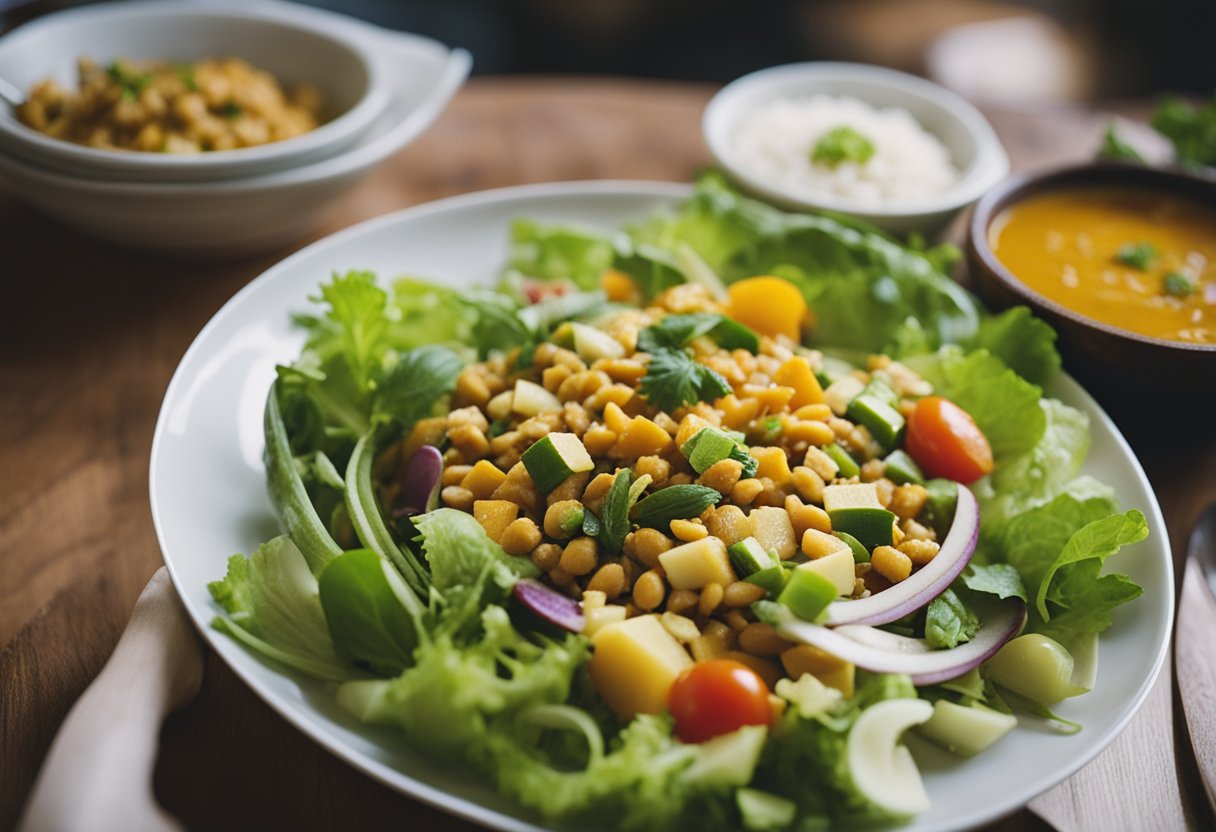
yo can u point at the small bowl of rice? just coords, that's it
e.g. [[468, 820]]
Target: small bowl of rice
[[895, 150]]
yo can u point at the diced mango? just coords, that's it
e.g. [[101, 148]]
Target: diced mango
[[766, 669], [837, 567], [770, 305], [619, 287], [797, 373], [614, 418], [773, 398], [697, 564], [634, 665], [690, 426], [773, 530], [494, 516], [641, 437], [483, 479], [832, 671], [817, 544], [773, 464], [424, 432], [735, 413]]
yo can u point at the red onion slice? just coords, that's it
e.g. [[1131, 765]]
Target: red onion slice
[[923, 586], [549, 605], [420, 483], [883, 652]]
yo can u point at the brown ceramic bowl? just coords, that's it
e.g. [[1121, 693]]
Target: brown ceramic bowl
[[1118, 363]]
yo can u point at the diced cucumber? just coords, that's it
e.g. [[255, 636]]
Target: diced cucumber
[[902, 469], [772, 579], [749, 557], [530, 398], [871, 526], [881, 390], [707, 446], [860, 553], [807, 592], [885, 423], [847, 466], [939, 507], [842, 391], [553, 458], [965, 730], [852, 495], [592, 344], [764, 812]]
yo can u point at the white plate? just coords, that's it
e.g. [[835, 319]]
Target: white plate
[[209, 501]]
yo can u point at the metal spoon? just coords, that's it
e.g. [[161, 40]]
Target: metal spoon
[[11, 94], [1193, 652]]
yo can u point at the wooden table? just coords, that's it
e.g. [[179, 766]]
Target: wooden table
[[92, 333]]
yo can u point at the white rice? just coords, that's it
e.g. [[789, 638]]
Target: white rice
[[909, 164]]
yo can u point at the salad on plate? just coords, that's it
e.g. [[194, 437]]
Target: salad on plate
[[686, 523]]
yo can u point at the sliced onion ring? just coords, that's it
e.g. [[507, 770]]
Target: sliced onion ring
[[930, 581], [882, 652], [420, 481], [550, 605]]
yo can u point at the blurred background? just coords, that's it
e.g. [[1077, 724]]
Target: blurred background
[[1033, 52]]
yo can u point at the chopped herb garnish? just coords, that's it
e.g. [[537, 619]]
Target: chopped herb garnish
[[675, 331], [130, 83], [1137, 255], [615, 519], [1115, 148], [230, 109], [673, 379], [497, 428], [1178, 285], [1192, 129], [185, 73], [842, 144]]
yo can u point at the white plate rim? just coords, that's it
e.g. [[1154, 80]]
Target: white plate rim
[[468, 809]]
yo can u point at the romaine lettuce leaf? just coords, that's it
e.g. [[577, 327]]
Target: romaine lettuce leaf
[[272, 605], [1025, 343], [560, 252]]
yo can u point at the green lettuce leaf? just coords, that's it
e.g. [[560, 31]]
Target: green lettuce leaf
[[1025, 343], [272, 605], [459, 551], [999, 579], [948, 621], [1079, 588], [560, 252]]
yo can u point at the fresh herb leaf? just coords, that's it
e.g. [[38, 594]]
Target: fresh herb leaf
[[130, 83], [185, 73], [1140, 255], [1115, 149], [229, 109], [673, 379], [1191, 128], [592, 527], [411, 388], [1178, 285], [842, 144], [615, 512], [675, 502], [373, 616], [750, 463]]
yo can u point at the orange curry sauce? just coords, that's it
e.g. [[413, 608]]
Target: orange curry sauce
[[1065, 245]]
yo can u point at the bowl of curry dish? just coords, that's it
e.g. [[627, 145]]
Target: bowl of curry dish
[[1120, 259]]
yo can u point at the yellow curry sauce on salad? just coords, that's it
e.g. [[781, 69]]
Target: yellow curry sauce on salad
[[684, 524]]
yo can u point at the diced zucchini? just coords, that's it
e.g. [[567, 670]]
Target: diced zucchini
[[965, 730], [939, 507], [592, 344], [846, 465], [860, 553], [772, 579], [530, 398], [773, 529], [697, 564], [842, 391], [708, 446], [634, 665], [885, 423], [836, 567], [853, 495], [553, 458], [764, 812], [871, 526], [749, 557], [808, 592], [902, 469]]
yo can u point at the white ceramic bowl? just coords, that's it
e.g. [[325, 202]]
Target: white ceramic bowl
[[296, 44], [258, 213], [974, 147]]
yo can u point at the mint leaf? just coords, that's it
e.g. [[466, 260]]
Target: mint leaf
[[414, 385]]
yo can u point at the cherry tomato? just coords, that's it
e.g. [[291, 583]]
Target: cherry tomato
[[717, 697], [946, 442]]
